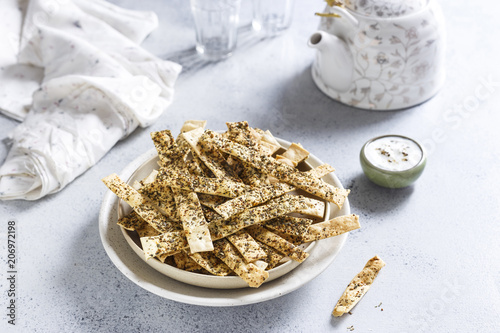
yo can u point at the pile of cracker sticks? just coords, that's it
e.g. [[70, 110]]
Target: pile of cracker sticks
[[232, 203]]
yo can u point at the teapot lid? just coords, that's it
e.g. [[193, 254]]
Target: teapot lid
[[385, 8]]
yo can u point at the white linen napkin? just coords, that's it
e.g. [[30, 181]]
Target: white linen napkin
[[98, 86], [17, 81]]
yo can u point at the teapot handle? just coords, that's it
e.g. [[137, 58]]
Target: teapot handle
[[342, 12]]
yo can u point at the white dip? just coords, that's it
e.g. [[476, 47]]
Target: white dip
[[393, 153]]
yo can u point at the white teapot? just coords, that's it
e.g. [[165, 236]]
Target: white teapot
[[380, 54]]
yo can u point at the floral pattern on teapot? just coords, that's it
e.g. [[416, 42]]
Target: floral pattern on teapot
[[398, 62], [385, 8]]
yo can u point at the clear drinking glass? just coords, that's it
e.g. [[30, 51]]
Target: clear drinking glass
[[272, 17], [216, 23]]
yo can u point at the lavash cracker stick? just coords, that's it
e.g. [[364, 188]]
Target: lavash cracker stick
[[211, 158], [263, 193], [250, 273], [334, 227], [193, 221], [250, 175], [268, 140], [131, 221], [168, 243], [210, 200], [278, 243], [252, 197], [173, 153], [183, 261], [139, 204], [294, 154], [190, 125], [321, 171], [249, 249], [192, 165], [273, 256], [273, 208], [211, 263], [146, 230], [163, 197], [158, 194], [216, 186], [242, 133], [195, 165], [254, 138], [245, 244], [281, 171], [163, 140], [313, 207], [290, 225], [358, 287]]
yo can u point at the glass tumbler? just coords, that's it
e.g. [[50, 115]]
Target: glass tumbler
[[272, 17], [216, 23]]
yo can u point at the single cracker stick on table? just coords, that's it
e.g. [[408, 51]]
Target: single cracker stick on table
[[358, 286], [252, 274], [193, 221], [138, 203], [331, 228], [276, 242]]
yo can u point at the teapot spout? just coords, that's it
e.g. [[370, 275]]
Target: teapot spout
[[334, 61], [319, 40]]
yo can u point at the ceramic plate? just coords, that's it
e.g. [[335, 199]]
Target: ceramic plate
[[133, 267]]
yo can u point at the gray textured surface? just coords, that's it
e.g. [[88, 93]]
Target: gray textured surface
[[438, 237]]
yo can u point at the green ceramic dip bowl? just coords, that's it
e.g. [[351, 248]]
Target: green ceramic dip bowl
[[377, 152]]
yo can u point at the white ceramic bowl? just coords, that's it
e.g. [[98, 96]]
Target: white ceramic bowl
[[133, 266]]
